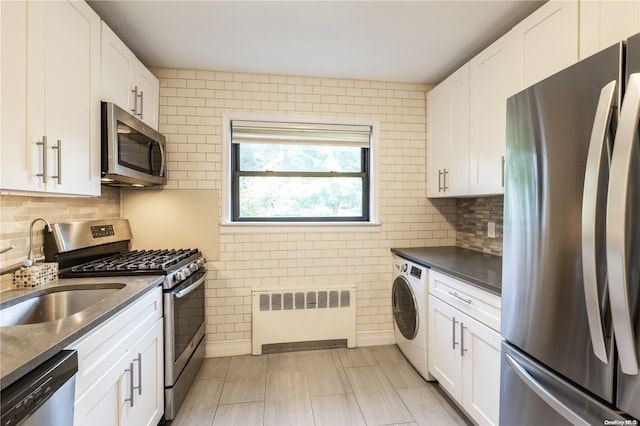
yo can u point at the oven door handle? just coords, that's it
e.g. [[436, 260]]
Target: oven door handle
[[180, 294]]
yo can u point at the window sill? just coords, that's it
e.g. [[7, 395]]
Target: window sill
[[297, 227]]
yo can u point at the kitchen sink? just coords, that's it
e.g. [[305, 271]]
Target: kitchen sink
[[55, 303]]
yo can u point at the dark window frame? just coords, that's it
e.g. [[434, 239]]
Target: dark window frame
[[364, 174]]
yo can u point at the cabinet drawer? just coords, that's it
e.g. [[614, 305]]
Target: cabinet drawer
[[476, 303], [110, 341]]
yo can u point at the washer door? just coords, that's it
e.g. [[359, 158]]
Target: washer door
[[405, 309]]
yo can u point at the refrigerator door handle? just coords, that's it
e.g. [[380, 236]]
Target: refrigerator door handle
[[597, 149], [544, 394], [624, 151]]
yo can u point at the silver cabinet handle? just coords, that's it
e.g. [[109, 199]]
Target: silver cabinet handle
[[550, 399], [141, 104], [135, 100], [625, 152], [439, 180], [130, 399], [139, 387], [503, 164], [58, 147], [462, 349], [457, 296], [595, 177], [453, 334], [446, 172], [141, 100], [43, 175]]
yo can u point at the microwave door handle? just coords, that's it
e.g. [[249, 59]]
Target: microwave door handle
[[163, 158], [624, 151], [597, 150]]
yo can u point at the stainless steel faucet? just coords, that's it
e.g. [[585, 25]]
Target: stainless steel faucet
[[32, 257]]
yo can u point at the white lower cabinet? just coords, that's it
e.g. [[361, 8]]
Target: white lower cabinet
[[444, 352], [148, 396], [480, 371], [464, 356], [121, 368]]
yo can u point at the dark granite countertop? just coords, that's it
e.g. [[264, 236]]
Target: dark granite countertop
[[24, 347], [480, 269]]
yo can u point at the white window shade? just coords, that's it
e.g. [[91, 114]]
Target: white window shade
[[300, 133]]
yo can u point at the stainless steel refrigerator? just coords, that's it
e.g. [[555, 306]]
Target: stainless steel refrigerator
[[571, 263]]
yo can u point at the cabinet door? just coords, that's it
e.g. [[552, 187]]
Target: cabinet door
[[480, 371], [117, 61], [148, 95], [448, 144], [439, 139], [444, 346], [104, 401], [549, 38], [18, 159], [495, 75], [126, 81], [604, 23], [147, 358], [63, 54], [457, 176]]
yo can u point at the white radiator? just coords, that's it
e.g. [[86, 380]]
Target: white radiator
[[284, 316]]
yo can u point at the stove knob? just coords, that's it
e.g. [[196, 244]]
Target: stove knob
[[179, 276], [193, 267], [186, 271]]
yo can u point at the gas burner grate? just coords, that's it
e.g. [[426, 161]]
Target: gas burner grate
[[137, 260]]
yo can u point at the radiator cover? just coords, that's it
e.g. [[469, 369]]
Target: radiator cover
[[281, 316]]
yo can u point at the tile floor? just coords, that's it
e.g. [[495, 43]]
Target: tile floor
[[362, 386]]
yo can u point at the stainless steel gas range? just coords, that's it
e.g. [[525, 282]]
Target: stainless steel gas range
[[102, 248]]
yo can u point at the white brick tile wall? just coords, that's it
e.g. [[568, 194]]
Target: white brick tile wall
[[191, 108]]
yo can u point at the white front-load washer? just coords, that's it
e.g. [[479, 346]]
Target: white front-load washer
[[409, 297]]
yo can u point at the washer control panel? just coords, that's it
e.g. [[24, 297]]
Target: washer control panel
[[409, 269]]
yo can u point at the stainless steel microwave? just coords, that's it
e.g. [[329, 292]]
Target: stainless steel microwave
[[132, 153]]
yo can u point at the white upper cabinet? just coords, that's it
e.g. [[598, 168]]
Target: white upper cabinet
[[549, 38], [438, 107], [542, 44], [126, 81], [147, 90], [495, 75], [16, 155], [606, 22], [448, 148], [50, 109]]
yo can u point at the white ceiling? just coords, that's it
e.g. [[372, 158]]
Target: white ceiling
[[402, 41]]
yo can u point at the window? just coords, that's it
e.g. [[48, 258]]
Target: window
[[299, 172]]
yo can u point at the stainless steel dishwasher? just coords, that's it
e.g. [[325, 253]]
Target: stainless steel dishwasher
[[44, 396]]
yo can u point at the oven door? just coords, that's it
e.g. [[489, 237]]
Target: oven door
[[184, 323]]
